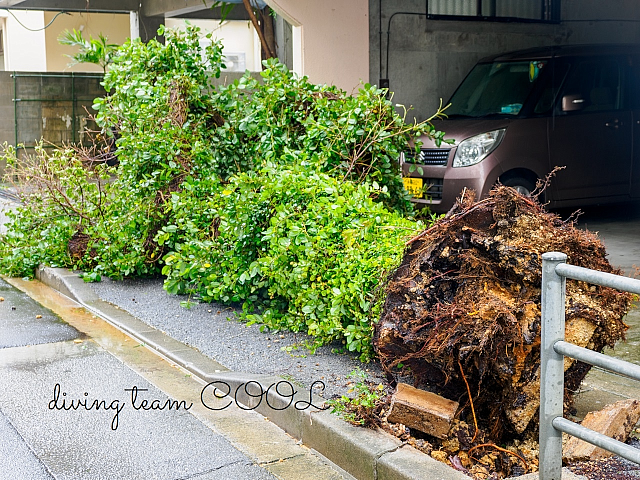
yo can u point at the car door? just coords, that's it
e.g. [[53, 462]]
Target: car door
[[635, 108], [591, 131]]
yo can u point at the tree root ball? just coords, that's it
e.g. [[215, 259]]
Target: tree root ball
[[462, 312]]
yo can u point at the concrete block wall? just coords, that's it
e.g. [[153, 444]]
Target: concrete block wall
[[46, 109], [52, 107], [6, 108]]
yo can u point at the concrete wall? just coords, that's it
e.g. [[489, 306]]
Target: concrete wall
[[45, 108], [429, 58], [332, 37], [6, 113]]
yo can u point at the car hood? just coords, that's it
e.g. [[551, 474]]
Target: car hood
[[460, 129]]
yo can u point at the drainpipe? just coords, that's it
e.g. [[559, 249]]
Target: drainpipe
[[134, 25], [15, 108]]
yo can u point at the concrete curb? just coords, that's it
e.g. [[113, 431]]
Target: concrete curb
[[365, 454]]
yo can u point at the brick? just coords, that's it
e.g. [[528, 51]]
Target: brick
[[615, 421], [422, 410]]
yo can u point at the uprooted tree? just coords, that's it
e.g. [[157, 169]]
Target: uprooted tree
[[463, 309]]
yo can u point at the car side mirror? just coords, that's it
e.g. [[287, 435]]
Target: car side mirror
[[572, 103]]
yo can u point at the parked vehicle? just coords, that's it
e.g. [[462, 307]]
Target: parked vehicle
[[518, 115]]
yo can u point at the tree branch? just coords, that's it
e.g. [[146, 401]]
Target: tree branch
[[256, 25]]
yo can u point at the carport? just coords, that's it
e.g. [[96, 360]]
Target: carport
[[420, 49]]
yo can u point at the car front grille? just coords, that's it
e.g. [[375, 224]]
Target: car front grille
[[432, 188], [428, 156]]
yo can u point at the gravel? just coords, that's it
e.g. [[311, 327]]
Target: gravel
[[215, 330]]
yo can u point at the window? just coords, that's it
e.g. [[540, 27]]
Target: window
[[499, 88], [596, 85], [506, 10]]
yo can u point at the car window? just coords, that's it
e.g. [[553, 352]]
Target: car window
[[499, 88], [551, 88], [597, 83]]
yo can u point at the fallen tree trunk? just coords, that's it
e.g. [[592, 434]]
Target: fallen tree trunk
[[462, 312]]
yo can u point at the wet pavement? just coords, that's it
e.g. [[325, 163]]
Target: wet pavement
[[5, 205], [110, 435], [25, 322], [70, 409], [618, 226]]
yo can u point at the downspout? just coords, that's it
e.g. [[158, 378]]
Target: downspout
[[134, 25], [426, 14], [15, 108], [73, 107], [380, 46]]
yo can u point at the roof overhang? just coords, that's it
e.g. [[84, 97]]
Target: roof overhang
[[147, 8]]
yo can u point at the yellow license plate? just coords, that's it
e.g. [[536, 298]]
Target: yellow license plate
[[413, 186]]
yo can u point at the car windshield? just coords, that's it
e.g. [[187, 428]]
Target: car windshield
[[498, 88]]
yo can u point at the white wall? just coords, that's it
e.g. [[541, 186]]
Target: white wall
[[24, 50], [237, 36], [331, 39], [40, 51], [114, 26]]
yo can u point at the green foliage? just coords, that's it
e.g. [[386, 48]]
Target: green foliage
[[300, 249], [280, 195], [362, 407], [61, 198], [93, 50], [225, 9]]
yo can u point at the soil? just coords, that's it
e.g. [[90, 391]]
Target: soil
[[462, 319]]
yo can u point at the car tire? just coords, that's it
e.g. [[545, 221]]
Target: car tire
[[521, 185]]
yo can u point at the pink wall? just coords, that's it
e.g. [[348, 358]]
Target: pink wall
[[334, 39]]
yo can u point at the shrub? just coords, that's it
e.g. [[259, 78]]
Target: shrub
[[302, 251]]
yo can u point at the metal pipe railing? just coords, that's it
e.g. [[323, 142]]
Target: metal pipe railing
[[597, 439], [598, 278], [553, 349], [585, 355]]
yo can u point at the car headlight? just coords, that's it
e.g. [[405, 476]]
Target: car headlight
[[473, 150]]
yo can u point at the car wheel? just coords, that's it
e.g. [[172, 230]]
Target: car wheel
[[521, 185]]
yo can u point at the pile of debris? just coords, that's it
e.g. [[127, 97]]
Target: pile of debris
[[462, 315]]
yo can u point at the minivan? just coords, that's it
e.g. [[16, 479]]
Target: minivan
[[518, 115]]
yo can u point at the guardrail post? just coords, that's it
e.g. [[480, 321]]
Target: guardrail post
[[551, 366]]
